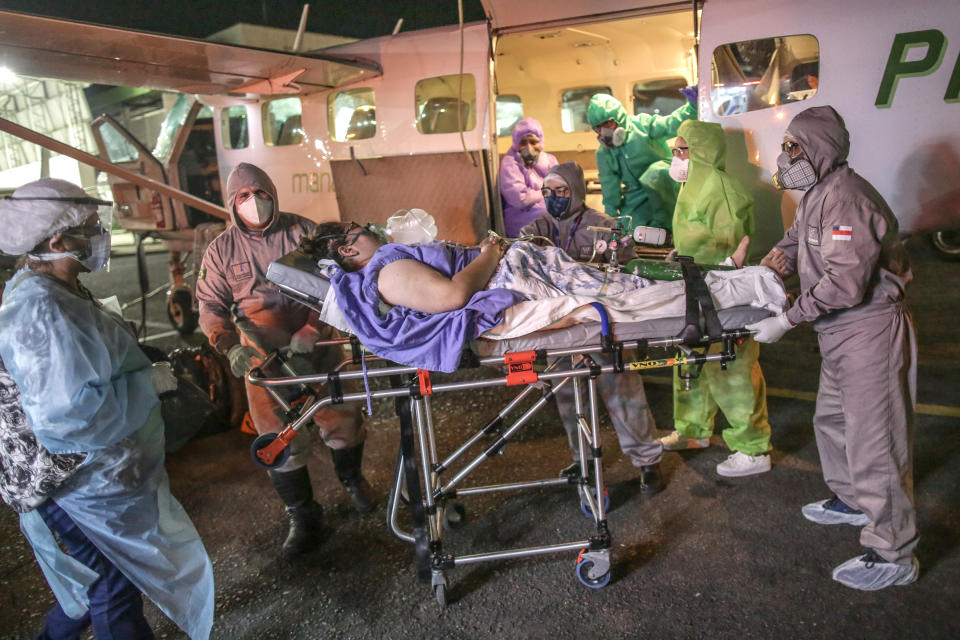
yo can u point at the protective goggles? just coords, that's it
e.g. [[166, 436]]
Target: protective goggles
[[791, 147]]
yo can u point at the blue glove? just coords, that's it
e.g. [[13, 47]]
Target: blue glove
[[690, 93]]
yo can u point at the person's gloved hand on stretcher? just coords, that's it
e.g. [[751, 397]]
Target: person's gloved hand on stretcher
[[241, 359], [305, 339]]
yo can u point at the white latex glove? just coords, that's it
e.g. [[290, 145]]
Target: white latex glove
[[771, 329], [241, 359], [162, 378], [671, 257], [304, 340]]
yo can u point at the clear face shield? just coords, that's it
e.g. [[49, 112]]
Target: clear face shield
[[91, 236]]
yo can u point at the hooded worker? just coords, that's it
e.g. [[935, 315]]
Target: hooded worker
[[714, 215], [567, 222], [633, 158], [521, 176], [844, 244], [245, 317], [81, 433]]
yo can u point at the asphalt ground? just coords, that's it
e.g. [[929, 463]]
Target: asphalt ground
[[708, 557]]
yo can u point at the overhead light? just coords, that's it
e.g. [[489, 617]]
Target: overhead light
[[7, 76]]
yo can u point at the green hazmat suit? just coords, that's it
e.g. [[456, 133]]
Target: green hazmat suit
[[641, 164], [713, 213]]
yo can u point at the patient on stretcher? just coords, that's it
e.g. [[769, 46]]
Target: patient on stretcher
[[419, 305]]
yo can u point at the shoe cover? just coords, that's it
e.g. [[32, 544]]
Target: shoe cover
[[871, 573]]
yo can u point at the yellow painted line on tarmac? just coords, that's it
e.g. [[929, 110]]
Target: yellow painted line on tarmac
[[811, 396]]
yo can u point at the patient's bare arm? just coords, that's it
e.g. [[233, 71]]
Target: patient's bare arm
[[412, 284]]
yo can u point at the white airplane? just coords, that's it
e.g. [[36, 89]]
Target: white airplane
[[420, 119]]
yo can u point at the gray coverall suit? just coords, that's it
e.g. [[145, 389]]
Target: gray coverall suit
[[622, 394], [234, 276], [853, 275]]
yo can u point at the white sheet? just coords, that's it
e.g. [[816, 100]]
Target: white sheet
[[754, 286]]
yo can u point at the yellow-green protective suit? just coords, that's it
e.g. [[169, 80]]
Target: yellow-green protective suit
[[713, 214], [641, 163]]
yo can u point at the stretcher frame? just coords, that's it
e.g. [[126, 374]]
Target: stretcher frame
[[419, 465]]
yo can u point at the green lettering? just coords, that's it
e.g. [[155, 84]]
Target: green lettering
[[898, 68], [300, 180], [313, 182], [326, 177], [953, 88]]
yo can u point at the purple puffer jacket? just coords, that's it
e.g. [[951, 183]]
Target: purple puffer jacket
[[520, 185]]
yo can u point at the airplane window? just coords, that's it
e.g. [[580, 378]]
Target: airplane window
[[171, 125], [118, 148], [281, 122], [573, 107], [758, 74], [233, 127], [658, 97], [436, 103], [509, 113], [352, 114]]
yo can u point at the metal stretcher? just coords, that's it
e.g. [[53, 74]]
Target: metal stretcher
[[540, 362]]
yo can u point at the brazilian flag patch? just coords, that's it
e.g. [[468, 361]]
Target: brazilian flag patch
[[202, 275]]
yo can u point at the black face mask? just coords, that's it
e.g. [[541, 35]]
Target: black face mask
[[529, 155]]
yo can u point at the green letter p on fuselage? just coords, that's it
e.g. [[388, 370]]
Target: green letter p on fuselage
[[898, 66]]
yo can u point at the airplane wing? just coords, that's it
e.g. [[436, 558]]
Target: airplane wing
[[68, 50]]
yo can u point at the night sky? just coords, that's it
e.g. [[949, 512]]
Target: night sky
[[200, 18]]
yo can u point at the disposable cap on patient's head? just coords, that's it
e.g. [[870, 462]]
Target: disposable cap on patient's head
[[39, 210]]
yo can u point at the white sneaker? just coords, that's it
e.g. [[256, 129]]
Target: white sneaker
[[676, 442], [740, 464], [870, 572]]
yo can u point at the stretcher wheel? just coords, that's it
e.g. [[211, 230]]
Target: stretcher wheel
[[261, 442], [586, 507], [440, 593], [454, 516], [583, 571]]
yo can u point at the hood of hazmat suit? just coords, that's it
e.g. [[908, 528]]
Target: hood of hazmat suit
[[571, 232], [713, 210], [234, 273], [844, 242], [520, 185], [641, 163]]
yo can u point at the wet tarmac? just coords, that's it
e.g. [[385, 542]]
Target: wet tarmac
[[709, 557]]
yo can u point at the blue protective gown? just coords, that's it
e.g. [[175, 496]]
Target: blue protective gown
[[85, 388]]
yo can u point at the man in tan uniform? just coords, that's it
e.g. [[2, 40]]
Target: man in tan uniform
[[245, 317], [853, 275]]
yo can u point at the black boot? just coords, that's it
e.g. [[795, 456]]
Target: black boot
[[346, 462], [304, 514], [651, 480]]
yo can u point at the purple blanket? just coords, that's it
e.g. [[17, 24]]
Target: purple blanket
[[432, 341]]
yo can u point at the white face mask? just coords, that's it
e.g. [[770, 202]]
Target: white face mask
[[255, 211], [612, 137], [679, 169]]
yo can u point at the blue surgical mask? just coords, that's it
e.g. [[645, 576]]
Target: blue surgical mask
[[556, 206]]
